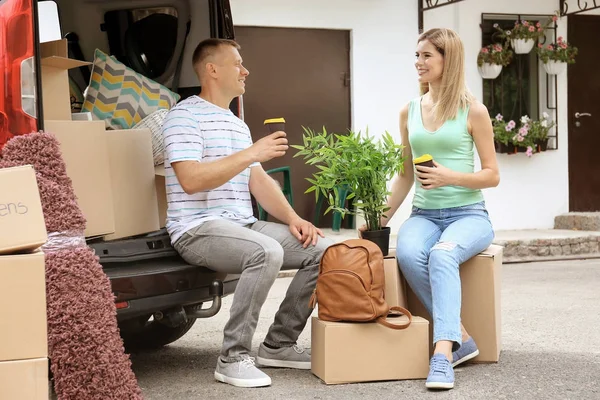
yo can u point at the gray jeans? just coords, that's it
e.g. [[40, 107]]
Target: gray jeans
[[258, 252]]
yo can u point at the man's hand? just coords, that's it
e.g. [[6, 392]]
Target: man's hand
[[434, 177], [272, 146], [305, 232]]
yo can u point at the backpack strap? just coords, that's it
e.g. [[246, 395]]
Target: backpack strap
[[402, 311]]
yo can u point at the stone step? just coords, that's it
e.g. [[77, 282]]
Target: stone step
[[582, 221], [552, 244]]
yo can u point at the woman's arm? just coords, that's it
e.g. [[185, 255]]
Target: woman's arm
[[404, 181]]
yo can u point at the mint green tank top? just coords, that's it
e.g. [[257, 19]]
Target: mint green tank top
[[452, 146]]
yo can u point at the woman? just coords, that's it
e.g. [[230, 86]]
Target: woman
[[449, 223]]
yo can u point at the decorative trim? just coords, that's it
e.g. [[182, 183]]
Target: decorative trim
[[582, 6], [426, 5]]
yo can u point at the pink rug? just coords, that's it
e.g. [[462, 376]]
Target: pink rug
[[88, 360]]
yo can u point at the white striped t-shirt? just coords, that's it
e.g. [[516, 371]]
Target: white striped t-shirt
[[197, 130]]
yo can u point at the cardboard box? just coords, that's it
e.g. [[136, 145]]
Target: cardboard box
[[22, 225], [361, 352], [24, 380], [161, 194], [85, 151], [23, 330], [55, 64], [480, 313], [133, 182], [395, 291]]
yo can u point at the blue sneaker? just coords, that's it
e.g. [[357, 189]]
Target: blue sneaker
[[441, 374], [467, 351]]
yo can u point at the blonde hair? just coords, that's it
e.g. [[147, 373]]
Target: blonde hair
[[454, 94]]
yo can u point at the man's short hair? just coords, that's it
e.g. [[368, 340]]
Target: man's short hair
[[208, 47]]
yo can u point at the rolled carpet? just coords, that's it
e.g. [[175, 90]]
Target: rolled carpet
[[86, 352]]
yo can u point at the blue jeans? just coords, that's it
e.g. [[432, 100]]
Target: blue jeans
[[431, 246]]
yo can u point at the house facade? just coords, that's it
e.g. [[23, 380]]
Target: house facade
[[383, 34]]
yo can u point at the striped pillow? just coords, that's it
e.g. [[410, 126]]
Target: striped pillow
[[121, 96]]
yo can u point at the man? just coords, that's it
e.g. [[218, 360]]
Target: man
[[212, 167]]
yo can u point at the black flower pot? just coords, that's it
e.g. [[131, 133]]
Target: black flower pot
[[505, 148], [542, 145], [381, 238]]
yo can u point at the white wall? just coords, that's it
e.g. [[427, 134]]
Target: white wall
[[383, 39], [384, 32], [532, 190]]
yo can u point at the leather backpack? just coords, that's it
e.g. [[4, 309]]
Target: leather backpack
[[351, 283]]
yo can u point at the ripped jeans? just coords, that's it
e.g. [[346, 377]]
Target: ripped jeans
[[431, 246]]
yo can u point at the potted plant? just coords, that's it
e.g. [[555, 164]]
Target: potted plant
[[556, 56], [524, 34], [539, 131], [491, 59], [503, 135], [360, 164]]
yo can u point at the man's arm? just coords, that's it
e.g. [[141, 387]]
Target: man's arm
[[197, 176], [269, 195]]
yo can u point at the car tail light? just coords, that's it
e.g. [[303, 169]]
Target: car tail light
[[18, 81]]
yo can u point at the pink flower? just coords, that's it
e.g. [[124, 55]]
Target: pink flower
[[523, 132], [499, 117], [563, 45], [549, 47], [540, 30], [560, 39], [511, 124], [532, 28], [520, 138], [529, 151], [508, 128], [525, 23], [485, 50], [554, 18], [538, 24], [497, 47], [541, 46]]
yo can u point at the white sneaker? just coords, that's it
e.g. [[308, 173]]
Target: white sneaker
[[242, 373], [284, 357]]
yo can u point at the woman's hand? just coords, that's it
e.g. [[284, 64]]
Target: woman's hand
[[382, 222], [435, 177]]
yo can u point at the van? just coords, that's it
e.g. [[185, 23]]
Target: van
[[157, 294]]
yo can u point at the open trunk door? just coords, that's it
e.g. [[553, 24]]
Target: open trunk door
[[19, 83]]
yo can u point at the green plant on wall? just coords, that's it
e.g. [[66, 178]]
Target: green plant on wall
[[356, 162]]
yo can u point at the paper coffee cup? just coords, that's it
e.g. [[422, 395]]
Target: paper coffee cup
[[426, 160], [275, 124]]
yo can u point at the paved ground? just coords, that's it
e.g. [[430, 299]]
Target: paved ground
[[551, 330]]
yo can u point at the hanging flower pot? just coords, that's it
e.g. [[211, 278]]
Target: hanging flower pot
[[522, 46], [490, 71], [553, 67]]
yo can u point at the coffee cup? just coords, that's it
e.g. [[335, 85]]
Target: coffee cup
[[275, 124], [426, 160]]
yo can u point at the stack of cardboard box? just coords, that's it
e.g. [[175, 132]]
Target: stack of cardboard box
[[362, 352], [112, 170], [23, 328]]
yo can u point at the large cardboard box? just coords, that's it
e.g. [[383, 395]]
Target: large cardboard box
[[361, 352], [480, 312], [24, 379], [55, 79], [22, 225], [23, 331], [161, 193], [85, 151], [395, 290], [133, 182]]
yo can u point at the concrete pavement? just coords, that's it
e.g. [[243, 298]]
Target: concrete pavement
[[551, 330]]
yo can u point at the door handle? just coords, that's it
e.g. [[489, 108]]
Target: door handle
[[578, 114]]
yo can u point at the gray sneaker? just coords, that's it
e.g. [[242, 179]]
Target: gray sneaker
[[285, 357], [241, 373]]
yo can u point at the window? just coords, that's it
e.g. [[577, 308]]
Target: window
[[523, 87]]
